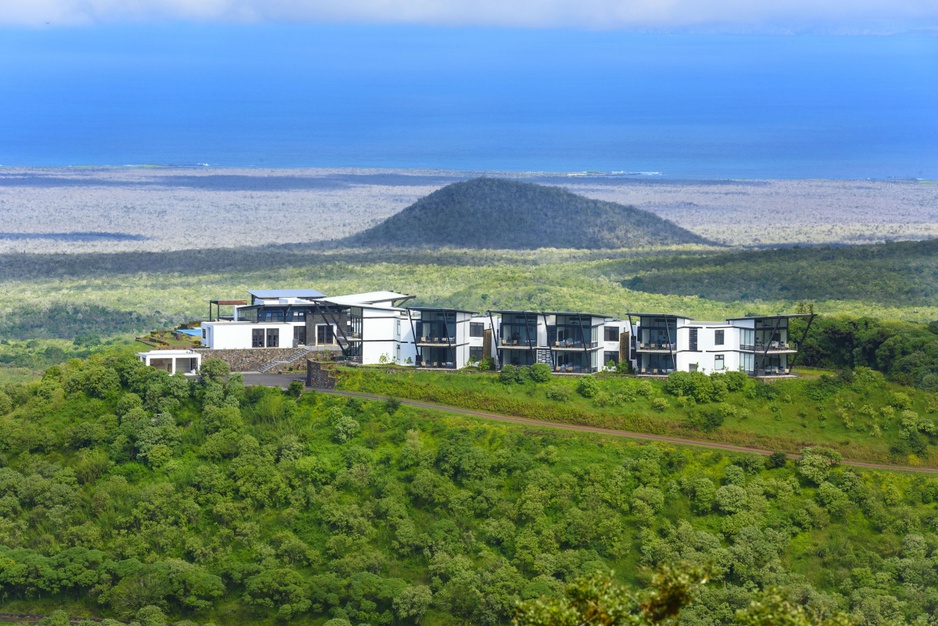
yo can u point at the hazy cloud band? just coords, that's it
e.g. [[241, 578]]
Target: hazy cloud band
[[724, 15]]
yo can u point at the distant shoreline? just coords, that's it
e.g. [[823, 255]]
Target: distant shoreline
[[637, 176]]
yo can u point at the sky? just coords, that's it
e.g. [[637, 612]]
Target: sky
[[842, 16], [787, 88]]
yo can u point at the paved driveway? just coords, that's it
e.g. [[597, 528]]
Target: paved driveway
[[272, 380]]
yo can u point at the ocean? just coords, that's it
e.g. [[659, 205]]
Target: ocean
[[671, 106]]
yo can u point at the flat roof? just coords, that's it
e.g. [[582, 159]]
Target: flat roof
[[584, 314], [266, 294], [168, 353]]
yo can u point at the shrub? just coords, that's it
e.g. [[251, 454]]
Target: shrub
[[514, 374], [587, 387], [697, 385], [487, 364], [736, 381], [558, 393], [391, 405], [508, 375], [296, 389], [540, 372], [659, 404], [776, 460]]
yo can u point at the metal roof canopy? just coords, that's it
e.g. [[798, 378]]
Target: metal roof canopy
[[441, 308], [369, 298], [531, 312], [667, 315], [266, 294], [770, 317]]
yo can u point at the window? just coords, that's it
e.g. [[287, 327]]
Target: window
[[718, 363], [718, 338], [257, 338], [273, 338], [475, 352], [612, 333], [299, 336], [476, 329], [693, 340], [324, 335]]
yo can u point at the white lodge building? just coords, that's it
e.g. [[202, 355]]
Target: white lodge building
[[375, 327], [757, 345]]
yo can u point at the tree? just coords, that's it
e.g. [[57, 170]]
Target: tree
[[816, 463], [412, 603]]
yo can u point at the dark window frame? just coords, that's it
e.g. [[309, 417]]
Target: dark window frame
[[257, 337]]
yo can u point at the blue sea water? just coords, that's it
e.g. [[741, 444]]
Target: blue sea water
[[686, 106]]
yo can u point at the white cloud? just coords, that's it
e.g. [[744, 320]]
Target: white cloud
[[731, 15]]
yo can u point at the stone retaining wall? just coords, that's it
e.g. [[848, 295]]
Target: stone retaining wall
[[319, 375], [253, 359]]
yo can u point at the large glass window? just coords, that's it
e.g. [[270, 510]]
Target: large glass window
[[657, 333], [612, 333], [324, 335], [270, 315], [718, 338], [693, 340], [476, 329], [718, 363], [273, 338], [257, 338]]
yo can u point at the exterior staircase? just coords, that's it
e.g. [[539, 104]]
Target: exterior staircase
[[294, 356], [543, 356]]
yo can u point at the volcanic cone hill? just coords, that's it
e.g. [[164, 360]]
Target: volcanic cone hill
[[507, 214]]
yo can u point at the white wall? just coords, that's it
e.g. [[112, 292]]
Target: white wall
[[227, 335]]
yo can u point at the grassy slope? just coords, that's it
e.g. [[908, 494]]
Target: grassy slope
[[794, 414]]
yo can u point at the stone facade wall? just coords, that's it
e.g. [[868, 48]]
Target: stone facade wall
[[319, 375], [253, 359]]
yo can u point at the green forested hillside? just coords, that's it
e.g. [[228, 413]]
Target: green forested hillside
[[885, 273], [508, 214], [127, 493]]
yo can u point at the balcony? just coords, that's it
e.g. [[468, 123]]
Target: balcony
[[656, 347], [570, 344], [574, 369], [517, 344], [653, 371], [772, 371], [436, 341], [775, 347], [449, 365]]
